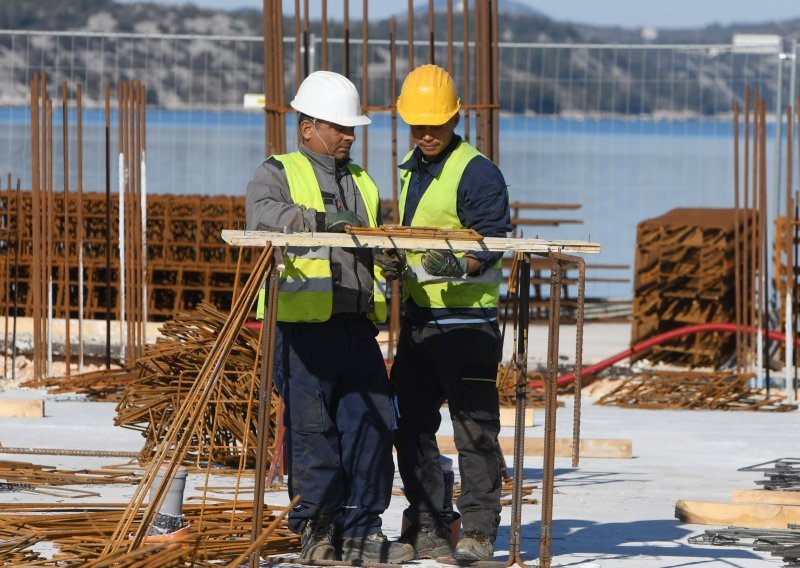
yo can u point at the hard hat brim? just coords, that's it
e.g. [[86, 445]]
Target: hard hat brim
[[358, 120], [417, 119]]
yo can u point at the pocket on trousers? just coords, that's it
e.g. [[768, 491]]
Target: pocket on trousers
[[308, 411]]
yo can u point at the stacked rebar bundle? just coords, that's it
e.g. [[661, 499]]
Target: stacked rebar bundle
[[685, 273], [692, 390], [219, 534], [166, 374], [784, 544], [782, 474]]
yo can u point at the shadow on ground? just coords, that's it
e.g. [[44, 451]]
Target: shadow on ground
[[661, 538]]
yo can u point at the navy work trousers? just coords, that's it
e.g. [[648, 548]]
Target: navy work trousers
[[338, 418], [457, 363]]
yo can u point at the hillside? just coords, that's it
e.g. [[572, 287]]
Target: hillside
[[530, 83]]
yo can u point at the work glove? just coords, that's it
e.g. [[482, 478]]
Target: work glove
[[444, 263], [392, 262], [337, 222]]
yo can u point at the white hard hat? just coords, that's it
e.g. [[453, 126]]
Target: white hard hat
[[330, 97]]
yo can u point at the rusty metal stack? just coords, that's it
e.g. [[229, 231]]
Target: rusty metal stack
[[685, 274], [188, 263]]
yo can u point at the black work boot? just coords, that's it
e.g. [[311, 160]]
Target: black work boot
[[474, 545], [375, 548], [317, 540], [428, 540]]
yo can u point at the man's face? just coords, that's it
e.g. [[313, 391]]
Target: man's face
[[432, 139], [328, 138]]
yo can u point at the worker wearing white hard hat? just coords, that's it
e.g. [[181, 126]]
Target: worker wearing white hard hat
[[329, 368]]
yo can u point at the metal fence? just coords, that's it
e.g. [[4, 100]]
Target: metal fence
[[628, 131]]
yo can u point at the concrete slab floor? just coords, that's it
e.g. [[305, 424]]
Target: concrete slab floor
[[607, 512]]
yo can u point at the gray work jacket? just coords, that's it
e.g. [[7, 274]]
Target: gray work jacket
[[269, 205]]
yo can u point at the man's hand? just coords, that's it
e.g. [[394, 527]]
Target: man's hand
[[444, 263], [392, 262], [339, 221]]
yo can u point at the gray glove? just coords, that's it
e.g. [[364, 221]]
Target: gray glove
[[337, 222], [444, 263], [392, 262]]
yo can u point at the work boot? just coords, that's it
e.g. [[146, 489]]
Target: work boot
[[317, 540], [474, 545], [428, 540], [375, 548]]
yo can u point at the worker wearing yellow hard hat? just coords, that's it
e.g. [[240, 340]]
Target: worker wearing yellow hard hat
[[449, 345]]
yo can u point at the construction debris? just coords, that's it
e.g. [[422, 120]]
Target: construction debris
[[692, 390], [81, 532], [783, 474], [780, 543]]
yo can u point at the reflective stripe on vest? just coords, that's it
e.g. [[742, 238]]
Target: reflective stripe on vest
[[306, 283], [438, 207]]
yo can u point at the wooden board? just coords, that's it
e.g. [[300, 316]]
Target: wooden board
[[590, 448], [767, 497], [508, 417], [497, 244], [21, 408], [750, 515]]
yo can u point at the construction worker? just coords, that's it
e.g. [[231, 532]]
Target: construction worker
[[449, 344], [329, 368]]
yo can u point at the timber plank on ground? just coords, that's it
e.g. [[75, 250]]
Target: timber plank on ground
[[750, 515]]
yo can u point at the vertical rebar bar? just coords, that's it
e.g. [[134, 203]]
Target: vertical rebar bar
[[16, 286], [736, 240], [64, 284], [108, 222], [551, 405], [324, 47], [364, 82], [346, 31], [465, 50], [80, 228], [523, 273], [431, 54]]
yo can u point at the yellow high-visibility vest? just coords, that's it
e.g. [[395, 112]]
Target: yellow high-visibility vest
[[306, 283], [438, 208]]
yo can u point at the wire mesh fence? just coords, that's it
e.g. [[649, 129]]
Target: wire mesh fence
[[628, 131]]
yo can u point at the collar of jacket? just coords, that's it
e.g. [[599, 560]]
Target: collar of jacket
[[434, 166], [327, 164]]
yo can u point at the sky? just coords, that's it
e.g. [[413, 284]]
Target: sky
[[626, 13]]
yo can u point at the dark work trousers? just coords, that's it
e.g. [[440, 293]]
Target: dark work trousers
[[457, 363], [338, 418]]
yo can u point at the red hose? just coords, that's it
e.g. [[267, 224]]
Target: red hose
[[656, 340]]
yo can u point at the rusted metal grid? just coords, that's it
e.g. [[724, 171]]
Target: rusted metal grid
[[684, 274], [105, 385], [219, 534], [187, 263], [692, 390], [165, 375]]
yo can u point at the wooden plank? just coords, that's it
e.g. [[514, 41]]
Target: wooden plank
[[766, 497], [590, 448], [497, 244], [508, 417], [21, 408], [750, 515]]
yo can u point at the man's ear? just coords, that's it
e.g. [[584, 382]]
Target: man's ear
[[306, 130], [456, 119]]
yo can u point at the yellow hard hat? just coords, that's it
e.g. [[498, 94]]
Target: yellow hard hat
[[428, 97]]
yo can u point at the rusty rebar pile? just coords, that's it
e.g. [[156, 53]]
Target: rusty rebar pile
[[691, 390], [219, 533], [166, 373], [685, 274]]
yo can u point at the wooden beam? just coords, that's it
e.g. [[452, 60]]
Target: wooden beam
[[766, 497], [21, 408], [591, 448], [750, 515], [496, 244], [508, 417]]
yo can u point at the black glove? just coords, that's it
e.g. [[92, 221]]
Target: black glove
[[392, 262], [337, 222], [444, 263]]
